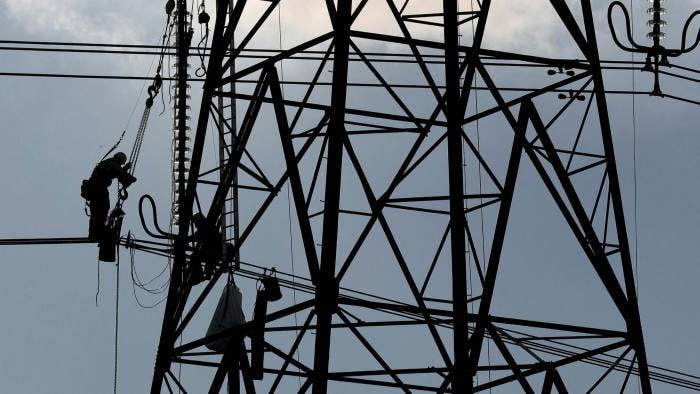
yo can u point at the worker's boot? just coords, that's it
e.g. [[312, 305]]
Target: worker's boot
[[96, 230]]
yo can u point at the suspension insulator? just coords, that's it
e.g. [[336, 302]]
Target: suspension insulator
[[656, 23]]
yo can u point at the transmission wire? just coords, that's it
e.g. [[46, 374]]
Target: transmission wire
[[634, 166], [481, 199], [470, 284], [480, 189], [634, 176], [289, 200]]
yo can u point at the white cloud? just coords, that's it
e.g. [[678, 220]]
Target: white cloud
[[514, 25], [83, 20], [526, 26], [101, 21]]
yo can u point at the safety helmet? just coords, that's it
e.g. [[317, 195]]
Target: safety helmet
[[121, 157], [197, 217]]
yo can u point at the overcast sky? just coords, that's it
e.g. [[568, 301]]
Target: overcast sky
[[55, 339]]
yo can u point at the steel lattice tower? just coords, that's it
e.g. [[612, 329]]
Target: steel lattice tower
[[322, 131]]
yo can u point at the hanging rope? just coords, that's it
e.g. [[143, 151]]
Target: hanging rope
[[117, 214], [289, 200], [153, 91], [469, 252], [116, 328], [97, 292], [119, 141], [131, 114], [134, 156], [481, 200]]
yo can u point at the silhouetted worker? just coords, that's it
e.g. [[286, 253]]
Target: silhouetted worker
[[210, 252], [98, 192]]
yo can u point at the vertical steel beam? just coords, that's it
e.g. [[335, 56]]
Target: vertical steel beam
[[178, 291], [462, 374], [327, 287], [233, 378], [634, 325]]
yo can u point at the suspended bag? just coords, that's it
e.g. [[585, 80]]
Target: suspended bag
[[228, 314]]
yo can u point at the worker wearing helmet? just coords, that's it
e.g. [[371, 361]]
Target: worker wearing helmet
[[97, 192]]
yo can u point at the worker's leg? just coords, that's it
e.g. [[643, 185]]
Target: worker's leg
[[99, 208], [211, 258], [208, 267]]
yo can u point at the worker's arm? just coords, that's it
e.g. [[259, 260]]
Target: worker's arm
[[125, 178]]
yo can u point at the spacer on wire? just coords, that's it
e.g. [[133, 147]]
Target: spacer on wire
[[203, 17]]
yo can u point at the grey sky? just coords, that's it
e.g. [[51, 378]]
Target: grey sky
[[54, 338]]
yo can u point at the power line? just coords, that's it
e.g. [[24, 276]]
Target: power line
[[686, 382], [339, 97], [263, 51], [295, 284], [251, 81], [45, 241]]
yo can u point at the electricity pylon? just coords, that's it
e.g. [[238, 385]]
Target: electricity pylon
[[365, 169]]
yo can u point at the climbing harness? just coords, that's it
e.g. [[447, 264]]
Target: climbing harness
[[86, 186]]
